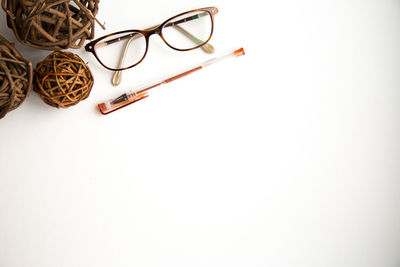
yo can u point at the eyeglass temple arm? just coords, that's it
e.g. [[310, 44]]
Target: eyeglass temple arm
[[116, 79], [175, 23], [208, 48], [197, 16]]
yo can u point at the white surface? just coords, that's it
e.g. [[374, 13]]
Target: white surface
[[288, 156]]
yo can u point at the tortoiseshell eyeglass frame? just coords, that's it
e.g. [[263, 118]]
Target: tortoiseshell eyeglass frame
[[91, 47]]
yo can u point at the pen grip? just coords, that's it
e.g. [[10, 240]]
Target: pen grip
[[122, 101]]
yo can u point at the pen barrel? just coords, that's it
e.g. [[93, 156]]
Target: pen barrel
[[183, 74], [139, 94]]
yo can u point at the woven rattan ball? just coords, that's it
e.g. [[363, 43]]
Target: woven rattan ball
[[50, 24], [62, 79], [15, 77]]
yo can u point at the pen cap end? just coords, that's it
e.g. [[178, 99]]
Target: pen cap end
[[102, 108], [239, 52]]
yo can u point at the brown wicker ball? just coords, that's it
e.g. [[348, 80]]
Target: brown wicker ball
[[15, 77], [62, 79], [50, 24]]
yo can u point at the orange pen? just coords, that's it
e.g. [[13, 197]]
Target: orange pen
[[141, 93]]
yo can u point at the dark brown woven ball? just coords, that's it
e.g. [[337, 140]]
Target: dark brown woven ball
[[15, 77], [62, 79], [50, 24]]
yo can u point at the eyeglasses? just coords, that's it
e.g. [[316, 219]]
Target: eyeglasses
[[183, 32]]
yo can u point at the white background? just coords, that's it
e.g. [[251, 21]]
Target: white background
[[289, 156]]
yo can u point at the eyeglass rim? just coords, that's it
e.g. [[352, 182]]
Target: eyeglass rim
[[211, 10], [90, 47]]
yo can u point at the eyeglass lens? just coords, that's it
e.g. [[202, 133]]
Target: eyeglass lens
[[130, 47], [188, 31]]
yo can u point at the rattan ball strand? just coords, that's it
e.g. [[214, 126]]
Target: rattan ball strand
[[15, 77], [52, 24], [62, 79]]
